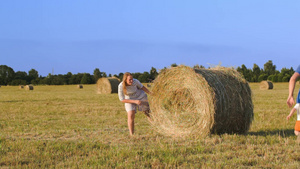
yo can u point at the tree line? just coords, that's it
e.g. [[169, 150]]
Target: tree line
[[269, 72], [9, 77]]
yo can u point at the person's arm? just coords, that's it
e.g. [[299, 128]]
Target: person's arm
[[290, 101], [122, 96], [146, 90], [138, 102], [291, 113], [141, 86]]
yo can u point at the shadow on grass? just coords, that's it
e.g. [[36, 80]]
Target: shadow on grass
[[278, 132]]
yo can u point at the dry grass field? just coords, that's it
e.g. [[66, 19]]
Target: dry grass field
[[67, 127]]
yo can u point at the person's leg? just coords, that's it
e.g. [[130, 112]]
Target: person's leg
[[296, 132], [131, 115]]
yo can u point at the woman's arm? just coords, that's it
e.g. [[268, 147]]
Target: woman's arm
[[146, 90], [138, 102]]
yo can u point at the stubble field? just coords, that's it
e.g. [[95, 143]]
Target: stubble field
[[66, 127]]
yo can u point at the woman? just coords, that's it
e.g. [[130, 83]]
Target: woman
[[133, 94]]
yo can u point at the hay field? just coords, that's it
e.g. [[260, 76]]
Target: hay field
[[67, 127]]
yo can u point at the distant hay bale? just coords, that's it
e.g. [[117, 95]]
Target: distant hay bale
[[29, 87], [148, 85], [79, 86], [265, 85], [197, 102], [107, 85], [21, 87]]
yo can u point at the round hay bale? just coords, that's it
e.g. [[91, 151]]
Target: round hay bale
[[197, 102], [29, 87], [21, 87], [107, 85], [265, 85], [79, 86]]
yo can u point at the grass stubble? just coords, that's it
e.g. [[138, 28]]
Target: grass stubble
[[64, 127]]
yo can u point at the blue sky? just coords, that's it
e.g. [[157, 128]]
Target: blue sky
[[134, 35]]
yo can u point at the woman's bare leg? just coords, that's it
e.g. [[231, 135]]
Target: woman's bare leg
[[131, 115]]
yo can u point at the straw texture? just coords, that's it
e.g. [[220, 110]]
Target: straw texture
[[197, 102], [107, 85], [265, 85], [28, 87]]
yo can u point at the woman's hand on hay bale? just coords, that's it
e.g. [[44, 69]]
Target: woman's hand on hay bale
[[146, 90]]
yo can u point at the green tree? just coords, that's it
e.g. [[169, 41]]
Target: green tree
[[120, 76], [16, 82], [35, 81], [32, 74], [255, 73], [270, 78], [153, 74], [136, 75], [76, 78], [7, 74], [21, 75], [46, 81], [245, 72], [275, 78], [285, 74], [144, 78], [286, 78], [97, 74], [86, 79], [269, 68], [262, 77], [69, 74]]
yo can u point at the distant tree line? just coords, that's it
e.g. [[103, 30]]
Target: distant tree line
[[269, 72], [257, 74], [9, 77]]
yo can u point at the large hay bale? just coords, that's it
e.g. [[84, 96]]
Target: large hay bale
[[265, 85], [80, 86], [197, 102], [107, 85], [28, 87]]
